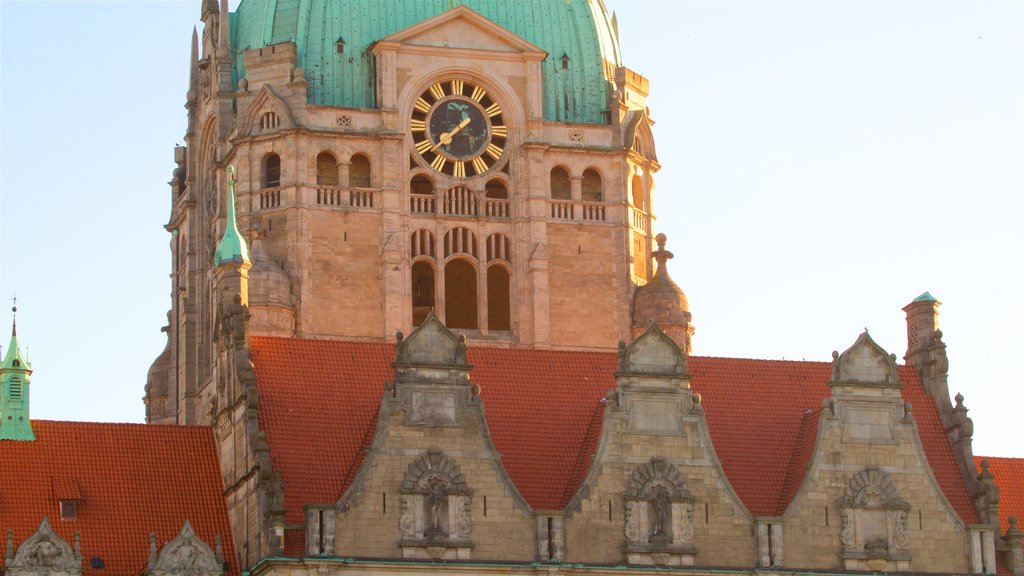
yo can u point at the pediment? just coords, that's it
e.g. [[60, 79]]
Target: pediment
[[432, 344], [186, 555], [44, 554], [463, 28], [865, 362], [652, 353], [640, 137], [265, 102]]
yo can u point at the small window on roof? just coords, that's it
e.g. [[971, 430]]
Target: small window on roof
[[68, 509], [341, 45]]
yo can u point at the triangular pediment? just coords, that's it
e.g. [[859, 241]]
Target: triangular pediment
[[431, 344], [652, 353], [266, 112], [463, 28], [865, 363]]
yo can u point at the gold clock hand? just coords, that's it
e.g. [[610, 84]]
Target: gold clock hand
[[446, 137]]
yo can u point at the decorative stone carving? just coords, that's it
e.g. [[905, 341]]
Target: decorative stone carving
[[874, 534], [434, 516], [186, 555], [44, 553], [659, 516]]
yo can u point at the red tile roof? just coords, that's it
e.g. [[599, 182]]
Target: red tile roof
[[1009, 475], [544, 412], [130, 479]]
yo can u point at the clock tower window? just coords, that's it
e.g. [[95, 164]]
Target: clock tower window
[[359, 172], [591, 186], [561, 189], [272, 171], [326, 169]]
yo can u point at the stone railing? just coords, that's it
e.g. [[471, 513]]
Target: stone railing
[[460, 201], [329, 196], [362, 198], [423, 204], [563, 210], [269, 198], [352, 198], [639, 219], [593, 212], [495, 208]]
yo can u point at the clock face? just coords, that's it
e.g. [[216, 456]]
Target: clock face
[[458, 129]]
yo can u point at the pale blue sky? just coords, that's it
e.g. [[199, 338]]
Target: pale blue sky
[[823, 164]]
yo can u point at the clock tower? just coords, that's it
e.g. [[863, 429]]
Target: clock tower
[[461, 160]]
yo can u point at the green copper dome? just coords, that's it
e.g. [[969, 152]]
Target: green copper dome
[[579, 29]]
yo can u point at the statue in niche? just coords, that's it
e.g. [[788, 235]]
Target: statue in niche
[[662, 514], [436, 499], [45, 555]]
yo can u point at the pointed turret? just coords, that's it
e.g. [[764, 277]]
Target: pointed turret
[[232, 246], [193, 63], [14, 385], [224, 31], [661, 301]]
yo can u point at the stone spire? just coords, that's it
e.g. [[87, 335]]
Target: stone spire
[[193, 67], [224, 31], [232, 247], [662, 302], [14, 383]]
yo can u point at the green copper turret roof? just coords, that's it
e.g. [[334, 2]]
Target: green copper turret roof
[[580, 29], [232, 247], [13, 360], [926, 297], [14, 388]]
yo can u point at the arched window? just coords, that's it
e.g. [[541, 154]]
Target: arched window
[[359, 172], [460, 241], [421, 185], [422, 242], [269, 121], [560, 188], [499, 315], [496, 189], [638, 192], [460, 295], [592, 186], [422, 291], [499, 248], [326, 169], [272, 171]]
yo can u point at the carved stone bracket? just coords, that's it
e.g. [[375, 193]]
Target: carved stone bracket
[[434, 516], [659, 516], [874, 533], [186, 555], [44, 553]]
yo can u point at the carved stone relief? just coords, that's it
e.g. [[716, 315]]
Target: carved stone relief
[[43, 554], [874, 533], [434, 510], [186, 555]]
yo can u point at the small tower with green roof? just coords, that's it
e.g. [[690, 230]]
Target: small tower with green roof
[[231, 260], [14, 384]]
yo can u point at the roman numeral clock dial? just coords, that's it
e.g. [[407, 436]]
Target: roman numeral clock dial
[[458, 129]]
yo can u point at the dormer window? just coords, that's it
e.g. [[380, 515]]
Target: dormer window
[[341, 45], [565, 61], [68, 509]]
